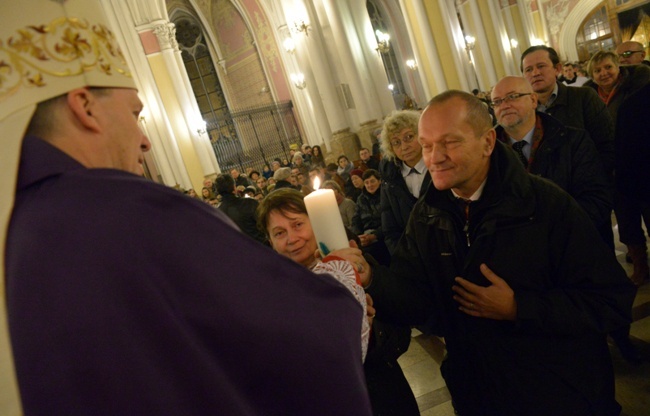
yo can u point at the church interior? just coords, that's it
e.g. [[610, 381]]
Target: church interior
[[234, 83]]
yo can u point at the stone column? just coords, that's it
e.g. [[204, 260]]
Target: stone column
[[171, 55], [345, 42], [123, 16], [344, 142], [453, 36], [483, 48]]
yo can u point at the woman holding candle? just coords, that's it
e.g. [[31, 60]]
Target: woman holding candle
[[282, 216]]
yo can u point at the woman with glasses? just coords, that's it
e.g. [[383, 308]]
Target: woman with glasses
[[403, 171]]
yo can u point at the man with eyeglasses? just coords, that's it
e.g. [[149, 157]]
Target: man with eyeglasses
[[547, 148], [576, 107], [495, 259], [631, 53]]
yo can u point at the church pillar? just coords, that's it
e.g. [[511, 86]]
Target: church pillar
[[123, 16]]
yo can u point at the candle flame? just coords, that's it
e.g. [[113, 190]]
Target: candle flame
[[316, 183]]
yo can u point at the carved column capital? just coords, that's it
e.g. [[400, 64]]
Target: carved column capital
[[166, 34]]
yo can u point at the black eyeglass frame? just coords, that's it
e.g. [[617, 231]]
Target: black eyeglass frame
[[627, 54], [510, 97]]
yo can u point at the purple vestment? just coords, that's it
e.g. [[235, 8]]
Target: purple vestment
[[129, 298]]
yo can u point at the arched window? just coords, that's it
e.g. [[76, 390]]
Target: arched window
[[202, 73], [596, 34], [241, 136]]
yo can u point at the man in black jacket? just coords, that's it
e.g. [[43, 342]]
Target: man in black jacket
[[576, 107], [510, 270], [240, 210], [564, 155]]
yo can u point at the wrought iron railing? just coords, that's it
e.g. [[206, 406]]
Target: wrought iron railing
[[254, 137]]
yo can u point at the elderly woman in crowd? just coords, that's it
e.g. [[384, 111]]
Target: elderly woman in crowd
[[366, 223], [405, 177], [614, 84], [282, 216], [356, 178]]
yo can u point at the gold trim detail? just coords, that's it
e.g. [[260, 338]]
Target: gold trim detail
[[66, 47]]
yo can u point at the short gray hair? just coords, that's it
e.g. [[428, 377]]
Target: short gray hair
[[395, 123]]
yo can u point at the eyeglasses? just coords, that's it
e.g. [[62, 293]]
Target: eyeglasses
[[627, 54], [405, 139], [510, 97]]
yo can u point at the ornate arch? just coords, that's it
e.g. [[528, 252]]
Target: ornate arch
[[571, 26]]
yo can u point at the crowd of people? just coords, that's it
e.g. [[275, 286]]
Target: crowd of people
[[488, 225], [555, 130]]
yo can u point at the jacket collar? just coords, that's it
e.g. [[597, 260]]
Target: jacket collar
[[508, 188], [561, 98], [552, 128]]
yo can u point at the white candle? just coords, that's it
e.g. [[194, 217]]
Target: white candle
[[326, 221]]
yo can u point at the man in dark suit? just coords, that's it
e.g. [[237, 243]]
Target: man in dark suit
[[240, 210], [564, 155]]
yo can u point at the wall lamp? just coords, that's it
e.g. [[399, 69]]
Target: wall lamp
[[302, 26], [298, 80], [470, 42], [411, 64], [289, 45], [383, 45], [201, 127]]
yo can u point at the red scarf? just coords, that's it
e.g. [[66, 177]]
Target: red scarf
[[607, 97]]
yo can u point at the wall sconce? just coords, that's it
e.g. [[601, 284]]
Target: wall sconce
[[391, 87], [302, 26], [411, 64], [289, 45], [470, 42], [298, 80], [383, 45], [536, 41], [514, 43], [201, 127]]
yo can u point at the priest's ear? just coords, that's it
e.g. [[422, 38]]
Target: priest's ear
[[84, 104]]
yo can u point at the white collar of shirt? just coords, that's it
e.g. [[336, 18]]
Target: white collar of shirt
[[528, 138], [414, 180], [476, 195]]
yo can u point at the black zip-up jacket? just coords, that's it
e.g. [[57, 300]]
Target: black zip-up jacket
[[568, 158], [569, 289], [396, 201], [580, 107]]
